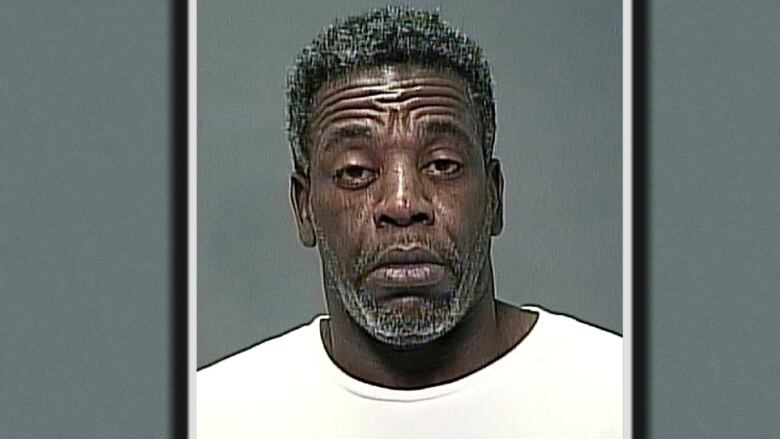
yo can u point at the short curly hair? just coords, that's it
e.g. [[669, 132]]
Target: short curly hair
[[390, 35]]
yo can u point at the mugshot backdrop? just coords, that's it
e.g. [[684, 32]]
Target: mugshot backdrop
[[84, 240], [557, 71]]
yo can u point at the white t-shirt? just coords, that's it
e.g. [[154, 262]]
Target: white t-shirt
[[564, 380]]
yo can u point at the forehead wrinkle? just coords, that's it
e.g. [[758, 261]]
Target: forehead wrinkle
[[377, 95], [348, 91], [390, 104], [420, 103], [413, 101], [350, 97], [370, 106], [455, 121], [390, 77], [410, 76], [432, 90]]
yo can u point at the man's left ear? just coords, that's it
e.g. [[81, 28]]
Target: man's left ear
[[496, 182]]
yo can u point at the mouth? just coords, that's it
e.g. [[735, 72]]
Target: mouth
[[407, 275], [407, 268]]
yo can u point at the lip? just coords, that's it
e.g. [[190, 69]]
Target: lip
[[407, 267], [407, 275]]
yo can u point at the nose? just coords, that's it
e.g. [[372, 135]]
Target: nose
[[402, 202]]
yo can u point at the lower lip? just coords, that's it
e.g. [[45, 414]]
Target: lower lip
[[407, 275]]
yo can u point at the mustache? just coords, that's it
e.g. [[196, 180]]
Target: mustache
[[444, 248]]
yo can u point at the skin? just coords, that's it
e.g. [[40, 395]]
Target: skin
[[402, 207]]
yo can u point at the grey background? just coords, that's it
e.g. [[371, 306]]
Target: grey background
[[84, 220], [714, 222], [83, 224], [557, 68]]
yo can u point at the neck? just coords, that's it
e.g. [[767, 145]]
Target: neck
[[478, 339]]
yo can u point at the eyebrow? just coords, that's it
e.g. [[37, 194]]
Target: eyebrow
[[434, 128], [346, 132]]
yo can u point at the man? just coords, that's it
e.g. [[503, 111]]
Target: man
[[391, 123]]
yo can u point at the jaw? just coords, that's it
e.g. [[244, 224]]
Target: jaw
[[409, 322]]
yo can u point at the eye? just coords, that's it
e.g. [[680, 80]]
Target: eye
[[444, 168], [354, 176]]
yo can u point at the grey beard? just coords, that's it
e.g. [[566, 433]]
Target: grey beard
[[432, 317]]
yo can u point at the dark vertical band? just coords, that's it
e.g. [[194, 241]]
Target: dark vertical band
[[640, 304], [178, 223]]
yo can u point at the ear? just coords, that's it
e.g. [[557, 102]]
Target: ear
[[299, 197], [496, 183]]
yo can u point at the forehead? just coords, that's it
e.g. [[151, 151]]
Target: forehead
[[390, 75], [398, 95]]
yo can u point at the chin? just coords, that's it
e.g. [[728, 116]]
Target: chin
[[406, 322]]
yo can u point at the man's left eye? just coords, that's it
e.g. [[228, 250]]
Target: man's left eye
[[442, 168]]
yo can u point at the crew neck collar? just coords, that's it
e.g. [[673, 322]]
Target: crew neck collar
[[375, 392]]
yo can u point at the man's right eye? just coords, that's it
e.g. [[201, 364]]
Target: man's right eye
[[354, 177]]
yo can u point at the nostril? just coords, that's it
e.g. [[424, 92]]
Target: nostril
[[383, 220], [401, 220], [422, 217]]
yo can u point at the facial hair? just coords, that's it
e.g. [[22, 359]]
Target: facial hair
[[430, 318]]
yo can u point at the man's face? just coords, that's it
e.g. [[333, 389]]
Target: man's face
[[399, 200]]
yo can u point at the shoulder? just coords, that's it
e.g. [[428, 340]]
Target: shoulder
[[288, 342], [233, 394], [577, 369], [267, 364], [563, 334], [581, 354], [576, 355]]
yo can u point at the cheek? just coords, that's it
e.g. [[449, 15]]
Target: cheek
[[339, 215], [461, 211]]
